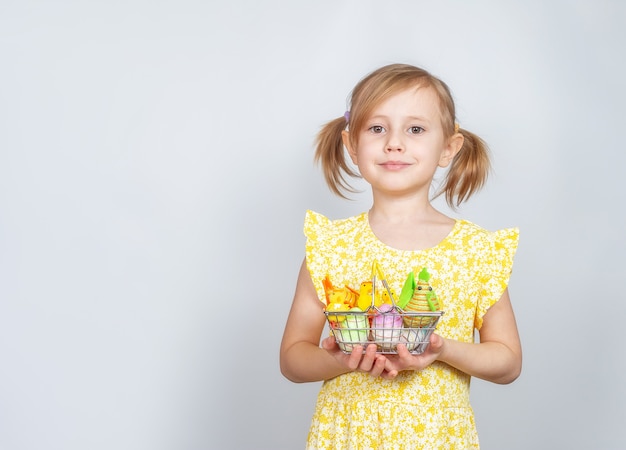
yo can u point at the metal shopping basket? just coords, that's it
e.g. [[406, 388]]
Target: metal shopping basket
[[386, 325]]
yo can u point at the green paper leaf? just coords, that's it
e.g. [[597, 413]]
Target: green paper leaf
[[431, 304], [424, 275], [407, 290]]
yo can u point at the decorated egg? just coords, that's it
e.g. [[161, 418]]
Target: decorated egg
[[386, 327], [352, 331], [333, 308]]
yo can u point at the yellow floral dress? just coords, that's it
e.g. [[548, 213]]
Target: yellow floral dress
[[426, 409]]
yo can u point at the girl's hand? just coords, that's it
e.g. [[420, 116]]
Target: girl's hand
[[405, 360], [368, 362]]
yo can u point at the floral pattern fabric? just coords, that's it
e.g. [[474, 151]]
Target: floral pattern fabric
[[428, 409]]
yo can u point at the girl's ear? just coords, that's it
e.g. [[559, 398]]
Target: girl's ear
[[449, 152], [345, 137]]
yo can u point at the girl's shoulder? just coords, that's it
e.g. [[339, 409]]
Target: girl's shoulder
[[468, 228], [475, 236], [315, 223]]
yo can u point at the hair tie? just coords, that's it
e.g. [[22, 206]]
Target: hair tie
[[456, 127], [346, 116]]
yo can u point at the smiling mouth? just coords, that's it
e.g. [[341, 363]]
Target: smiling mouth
[[395, 165]]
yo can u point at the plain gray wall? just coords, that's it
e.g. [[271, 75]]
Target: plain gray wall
[[156, 165]]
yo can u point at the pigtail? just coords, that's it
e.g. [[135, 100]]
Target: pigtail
[[330, 154], [468, 171]]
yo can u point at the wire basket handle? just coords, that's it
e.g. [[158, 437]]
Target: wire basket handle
[[376, 270]]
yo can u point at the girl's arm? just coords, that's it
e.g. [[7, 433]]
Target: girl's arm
[[301, 357], [497, 358]]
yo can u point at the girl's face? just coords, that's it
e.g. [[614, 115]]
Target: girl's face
[[402, 143]]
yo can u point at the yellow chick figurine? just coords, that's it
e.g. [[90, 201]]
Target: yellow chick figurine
[[365, 296], [385, 296], [343, 295]]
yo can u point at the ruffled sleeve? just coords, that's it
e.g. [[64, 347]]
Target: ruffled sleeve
[[496, 268], [316, 229]]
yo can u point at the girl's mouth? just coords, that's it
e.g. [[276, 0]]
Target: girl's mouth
[[395, 165]]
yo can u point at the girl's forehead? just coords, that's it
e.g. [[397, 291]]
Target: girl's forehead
[[422, 99]]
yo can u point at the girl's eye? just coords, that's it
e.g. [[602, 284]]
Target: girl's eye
[[416, 130], [377, 129]]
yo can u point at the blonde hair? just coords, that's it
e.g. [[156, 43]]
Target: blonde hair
[[469, 168]]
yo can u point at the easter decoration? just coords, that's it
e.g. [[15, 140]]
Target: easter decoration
[[381, 317]]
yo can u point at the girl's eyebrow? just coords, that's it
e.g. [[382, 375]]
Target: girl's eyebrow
[[410, 118], [419, 118]]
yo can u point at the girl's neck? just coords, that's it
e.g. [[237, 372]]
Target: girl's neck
[[399, 209], [409, 224]]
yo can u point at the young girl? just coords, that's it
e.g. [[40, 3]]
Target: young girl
[[400, 128]]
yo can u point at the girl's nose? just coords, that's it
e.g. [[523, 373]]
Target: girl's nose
[[394, 142]]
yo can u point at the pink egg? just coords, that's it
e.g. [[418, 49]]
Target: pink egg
[[387, 327]]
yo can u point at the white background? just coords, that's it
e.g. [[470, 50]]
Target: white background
[[156, 165]]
